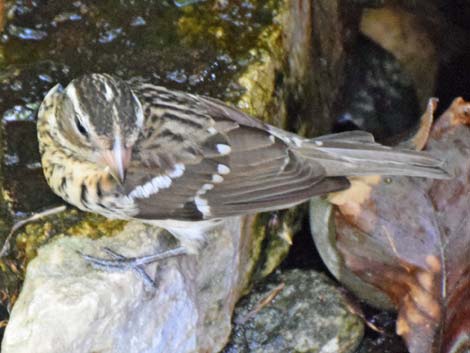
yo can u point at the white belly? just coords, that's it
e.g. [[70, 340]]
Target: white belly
[[191, 235]]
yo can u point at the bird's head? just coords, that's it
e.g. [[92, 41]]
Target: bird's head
[[98, 118]]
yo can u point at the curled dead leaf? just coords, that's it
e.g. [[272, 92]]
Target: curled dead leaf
[[410, 238]]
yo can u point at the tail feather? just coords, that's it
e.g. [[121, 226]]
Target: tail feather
[[356, 154], [348, 136]]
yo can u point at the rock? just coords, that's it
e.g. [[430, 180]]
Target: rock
[[379, 95], [324, 236], [405, 35], [308, 314], [385, 341], [318, 38], [68, 306]]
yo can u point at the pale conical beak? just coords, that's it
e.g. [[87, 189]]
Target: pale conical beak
[[117, 160]]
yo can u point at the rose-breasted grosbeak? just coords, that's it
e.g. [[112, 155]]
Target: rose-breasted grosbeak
[[182, 161]]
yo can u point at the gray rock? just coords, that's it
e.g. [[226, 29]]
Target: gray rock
[[307, 315], [324, 236], [68, 306]]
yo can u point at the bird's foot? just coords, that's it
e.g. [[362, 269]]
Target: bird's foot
[[136, 264]]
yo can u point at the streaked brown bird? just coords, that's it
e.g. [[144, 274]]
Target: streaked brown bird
[[183, 162]]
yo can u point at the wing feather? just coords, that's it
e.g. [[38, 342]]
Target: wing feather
[[232, 166]]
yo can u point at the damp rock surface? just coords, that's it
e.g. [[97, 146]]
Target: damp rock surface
[[68, 306], [295, 311]]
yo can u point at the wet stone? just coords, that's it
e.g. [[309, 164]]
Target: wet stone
[[379, 96], [26, 33], [385, 341], [308, 314], [189, 312]]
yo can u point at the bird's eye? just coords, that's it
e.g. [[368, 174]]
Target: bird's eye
[[81, 129]]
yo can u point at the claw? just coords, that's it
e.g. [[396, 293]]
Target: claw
[[139, 270]]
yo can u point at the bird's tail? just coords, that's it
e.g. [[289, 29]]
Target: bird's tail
[[357, 154]]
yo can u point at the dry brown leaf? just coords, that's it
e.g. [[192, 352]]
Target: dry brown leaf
[[411, 239], [2, 14]]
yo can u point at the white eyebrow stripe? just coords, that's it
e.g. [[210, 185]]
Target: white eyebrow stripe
[[71, 92], [139, 112], [117, 151], [108, 92]]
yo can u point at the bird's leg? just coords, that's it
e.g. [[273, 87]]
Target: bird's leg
[[35, 217], [122, 263]]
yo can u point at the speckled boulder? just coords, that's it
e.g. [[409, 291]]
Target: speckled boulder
[[308, 314], [68, 306]]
